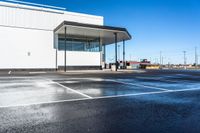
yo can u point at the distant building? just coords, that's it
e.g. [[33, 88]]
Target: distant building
[[133, 64]]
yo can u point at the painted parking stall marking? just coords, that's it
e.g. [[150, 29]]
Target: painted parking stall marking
[[36, 90], [139, 85], [48, 91], [104, 97], [73, 90]]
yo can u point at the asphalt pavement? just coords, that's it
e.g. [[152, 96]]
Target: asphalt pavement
[[153, 101]]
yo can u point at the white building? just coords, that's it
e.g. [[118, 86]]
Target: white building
[[34, 36]]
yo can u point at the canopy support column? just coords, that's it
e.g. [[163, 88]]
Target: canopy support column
[[65, 67], [56, 47], [104, 55], [124, 63], [56, 59], [116, 63], [100, 50]]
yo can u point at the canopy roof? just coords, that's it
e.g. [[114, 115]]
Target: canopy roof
[[105, 33]]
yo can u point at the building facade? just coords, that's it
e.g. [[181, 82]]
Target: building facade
[[39, 37]]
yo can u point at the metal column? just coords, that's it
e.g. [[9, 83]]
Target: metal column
[[104, 53], [56, 47], [99, 44], [56, 59], [116, 63], [65, 67], [100, 50], [124, 63]]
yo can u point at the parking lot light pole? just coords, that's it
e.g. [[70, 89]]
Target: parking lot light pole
[[116, 63]]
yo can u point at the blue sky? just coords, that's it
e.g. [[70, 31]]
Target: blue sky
[[170, 26]]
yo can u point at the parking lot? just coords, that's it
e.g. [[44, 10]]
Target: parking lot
[[143, 101]]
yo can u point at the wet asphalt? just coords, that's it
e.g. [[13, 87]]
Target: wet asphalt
[[154, 101]]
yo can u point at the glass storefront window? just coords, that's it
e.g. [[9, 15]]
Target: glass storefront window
[[79, 44]]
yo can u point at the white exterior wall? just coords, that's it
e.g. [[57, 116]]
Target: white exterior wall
[[13, 15], [79, 58], [16, 43], [28, 30]]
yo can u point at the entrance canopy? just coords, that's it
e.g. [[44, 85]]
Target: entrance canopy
[[105, 33]]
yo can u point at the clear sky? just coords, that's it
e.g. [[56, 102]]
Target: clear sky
[[170, 26]]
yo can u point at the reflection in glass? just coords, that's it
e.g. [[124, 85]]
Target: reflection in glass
[[79, 44]]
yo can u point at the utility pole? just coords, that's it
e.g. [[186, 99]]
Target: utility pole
[[161, 60], [196, 58], [160, 57], [168, 62], [184, 56]]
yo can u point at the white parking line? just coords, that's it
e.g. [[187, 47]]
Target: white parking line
[[162, 80], [140, 85], [166, 80], [42, 103], [9, 72], [148, 93], [180, 81], [72, 90], [103, 97], [37, 72], [14, 77]]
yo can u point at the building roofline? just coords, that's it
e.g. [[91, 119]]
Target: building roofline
[[35, 4], [8, 3], [117, 29]]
